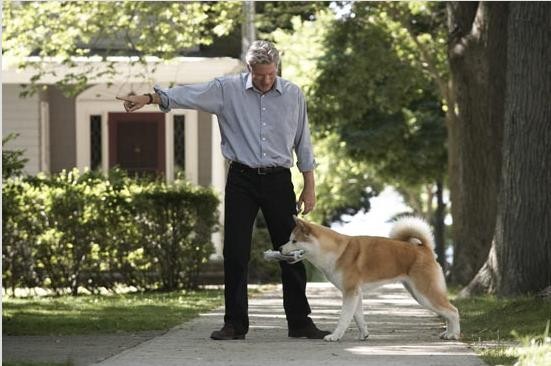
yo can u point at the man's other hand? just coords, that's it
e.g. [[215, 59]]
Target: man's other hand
[[308, 199]]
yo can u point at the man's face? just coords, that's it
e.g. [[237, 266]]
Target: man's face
[[264, 76]]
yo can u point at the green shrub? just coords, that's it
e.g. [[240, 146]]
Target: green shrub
[[22, 222], [13, 161], [65, 247], [73, 230], [175, 223]]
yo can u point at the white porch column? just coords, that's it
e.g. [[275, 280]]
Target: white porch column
[[44, 137], [169, 147], [191, 144]]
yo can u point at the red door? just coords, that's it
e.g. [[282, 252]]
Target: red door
[[137, 142]]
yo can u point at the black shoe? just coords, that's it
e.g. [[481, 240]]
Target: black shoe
[[310, 331], [226, 333]]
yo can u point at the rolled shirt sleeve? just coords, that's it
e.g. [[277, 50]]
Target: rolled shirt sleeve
[[206, 97], [303, 144]]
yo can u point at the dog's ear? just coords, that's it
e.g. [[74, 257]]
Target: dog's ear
[[302, 225]]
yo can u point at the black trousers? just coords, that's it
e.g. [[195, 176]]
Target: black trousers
[[246, 193]]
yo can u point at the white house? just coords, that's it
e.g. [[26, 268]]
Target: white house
[[91, 130]]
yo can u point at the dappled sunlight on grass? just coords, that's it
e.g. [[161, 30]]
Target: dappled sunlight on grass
[[488, 318], [501, 329], [104, 314]]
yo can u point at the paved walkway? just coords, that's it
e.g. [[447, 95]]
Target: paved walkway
[[401, 333], [77, 350]]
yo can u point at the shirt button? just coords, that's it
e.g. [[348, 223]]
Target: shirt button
[[263, 124], [264, 154], [263, 109], [264, 139]]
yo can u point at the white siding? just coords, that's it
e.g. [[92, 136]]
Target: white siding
[[22, 116]]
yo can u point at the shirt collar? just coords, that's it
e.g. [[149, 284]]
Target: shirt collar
[[249, 83]]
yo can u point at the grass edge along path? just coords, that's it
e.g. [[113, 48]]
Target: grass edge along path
[[506, 331], [104, 314]]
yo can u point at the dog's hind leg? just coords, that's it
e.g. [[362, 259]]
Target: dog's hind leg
[[349, 307], [410, 290], [360, 320], [430, 292]]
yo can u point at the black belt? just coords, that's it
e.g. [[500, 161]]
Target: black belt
[[259, 171]]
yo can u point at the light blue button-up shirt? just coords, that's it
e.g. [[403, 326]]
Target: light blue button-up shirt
[[258, 130]]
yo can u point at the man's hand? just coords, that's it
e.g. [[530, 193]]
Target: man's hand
[[308, 195], [134, 102], [308, 198]]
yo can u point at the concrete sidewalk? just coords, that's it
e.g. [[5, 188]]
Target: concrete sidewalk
[[401, 333]]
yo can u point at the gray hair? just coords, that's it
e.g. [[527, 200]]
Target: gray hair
[[262, 52]]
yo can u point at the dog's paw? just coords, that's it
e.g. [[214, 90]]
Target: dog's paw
[[449, 336], [363, 335], [332, 337]]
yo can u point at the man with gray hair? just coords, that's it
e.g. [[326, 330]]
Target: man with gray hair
[[262, 119]]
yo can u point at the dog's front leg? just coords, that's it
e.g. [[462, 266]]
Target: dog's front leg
[[360, 320], [349, 305]]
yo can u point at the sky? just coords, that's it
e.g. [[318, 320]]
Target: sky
[[375, 222]]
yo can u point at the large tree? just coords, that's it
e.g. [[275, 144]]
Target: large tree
[[476, 56], [520, 257]]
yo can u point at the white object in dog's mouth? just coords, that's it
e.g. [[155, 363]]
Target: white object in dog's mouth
[[293, 256]]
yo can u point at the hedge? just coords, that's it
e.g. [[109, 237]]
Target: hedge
[[83, 230]]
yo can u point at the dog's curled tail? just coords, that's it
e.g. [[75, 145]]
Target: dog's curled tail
[[414, 230]]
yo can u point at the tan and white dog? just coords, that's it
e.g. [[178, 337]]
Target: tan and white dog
[[359, 263]]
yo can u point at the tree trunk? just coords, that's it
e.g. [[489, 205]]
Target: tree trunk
[[478, 139], [521, 253], [452, 126], [485, 280], [439, 226], [523, 230]]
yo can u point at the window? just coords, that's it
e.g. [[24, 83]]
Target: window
[[95, 142], [179, 143]]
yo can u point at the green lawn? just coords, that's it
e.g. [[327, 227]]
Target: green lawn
[[96, 314], [492, 324]]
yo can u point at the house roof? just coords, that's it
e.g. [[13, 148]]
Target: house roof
[[180, 70]]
